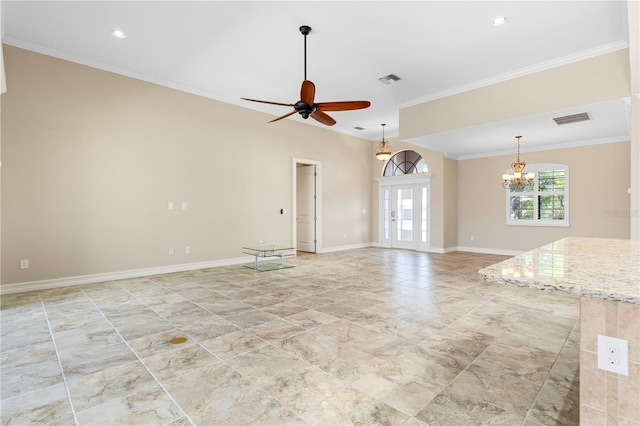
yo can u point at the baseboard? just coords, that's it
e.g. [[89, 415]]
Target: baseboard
[[489, 251], [349, 247], [111, 276], [136, 273]]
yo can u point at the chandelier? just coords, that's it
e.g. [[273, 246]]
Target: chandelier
[[383, 153], [517, 180]]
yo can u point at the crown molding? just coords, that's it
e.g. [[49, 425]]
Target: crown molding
[[585, 54]]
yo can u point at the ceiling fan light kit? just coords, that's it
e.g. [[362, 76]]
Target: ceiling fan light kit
[[306, 106]]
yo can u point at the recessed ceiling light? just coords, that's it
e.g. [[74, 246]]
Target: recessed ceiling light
[[118, 33], [499, 21]]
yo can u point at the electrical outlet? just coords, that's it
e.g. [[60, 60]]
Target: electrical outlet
[[187, 249], [170, 251], [24, 264], [613, 355]]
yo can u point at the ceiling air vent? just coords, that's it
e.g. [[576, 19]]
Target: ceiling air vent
[[359, 128], [388, 79], [573, 118]]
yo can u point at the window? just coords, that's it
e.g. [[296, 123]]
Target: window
[[544, 201], [405, 163]]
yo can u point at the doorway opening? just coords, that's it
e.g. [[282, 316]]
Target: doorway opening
[[307, 205]]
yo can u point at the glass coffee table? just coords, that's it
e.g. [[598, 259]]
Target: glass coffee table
[[269, 251]]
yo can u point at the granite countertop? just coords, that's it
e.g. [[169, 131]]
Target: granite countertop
[[604, 268]]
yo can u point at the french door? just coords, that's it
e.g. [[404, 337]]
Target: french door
[[404, 212]]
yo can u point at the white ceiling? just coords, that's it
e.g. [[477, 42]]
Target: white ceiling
[[226, 50]]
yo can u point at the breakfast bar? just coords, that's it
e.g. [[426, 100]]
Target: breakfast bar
[[606, 274]]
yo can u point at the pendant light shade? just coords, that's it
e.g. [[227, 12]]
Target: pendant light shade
[[383, 153]]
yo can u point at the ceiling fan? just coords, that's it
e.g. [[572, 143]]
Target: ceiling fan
[[306, 106]]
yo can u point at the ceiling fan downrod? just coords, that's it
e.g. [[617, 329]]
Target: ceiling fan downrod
[[305, 30]]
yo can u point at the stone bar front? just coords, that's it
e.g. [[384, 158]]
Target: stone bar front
[[606, 274]]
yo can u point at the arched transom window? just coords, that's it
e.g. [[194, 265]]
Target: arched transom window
[[405, 163]]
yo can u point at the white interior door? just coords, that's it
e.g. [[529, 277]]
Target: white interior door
[[404, 216], [306, 208]]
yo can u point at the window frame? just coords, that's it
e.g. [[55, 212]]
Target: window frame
[[536, 193]]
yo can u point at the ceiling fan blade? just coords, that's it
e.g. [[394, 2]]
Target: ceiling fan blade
[[343, 105], [267, 102], [322, 117], [307, 92], [283, 116]]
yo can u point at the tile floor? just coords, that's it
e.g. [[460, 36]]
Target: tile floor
[[366, 336]]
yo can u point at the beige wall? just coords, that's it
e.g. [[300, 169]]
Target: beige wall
[[90, 160], [599, 201], [450, 203], [593, 80]]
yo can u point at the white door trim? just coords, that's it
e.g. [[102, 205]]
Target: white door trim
[[294, 234]]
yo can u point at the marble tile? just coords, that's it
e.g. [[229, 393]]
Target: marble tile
[[75, 365], [24, 357], [346, 363], [29, 377], [252, 406], [556, 404], [628, 320], [43, 406], [592, 416], [399, 387], [592, 381], [172, 364], [158, 343], [465, 346], [453, 408], [263, 363], [262, 301], [143, 408], [284, 309], [233, 344], [274, 331], [303, 387], [142, 326], [398, 337], [22, 337], [200, 387], [223, 306], [629, 393], [249, 319], [526, 362], [201, 331], [110, 383], [354, 407], [494, 386], [96, 333], [310, 319], [307, 345], [430, 366]]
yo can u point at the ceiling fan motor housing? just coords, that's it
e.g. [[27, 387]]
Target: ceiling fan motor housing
[[303, 109]]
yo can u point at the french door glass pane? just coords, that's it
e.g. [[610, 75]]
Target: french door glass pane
[[385, 214], [404, 220], [424, 215]]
